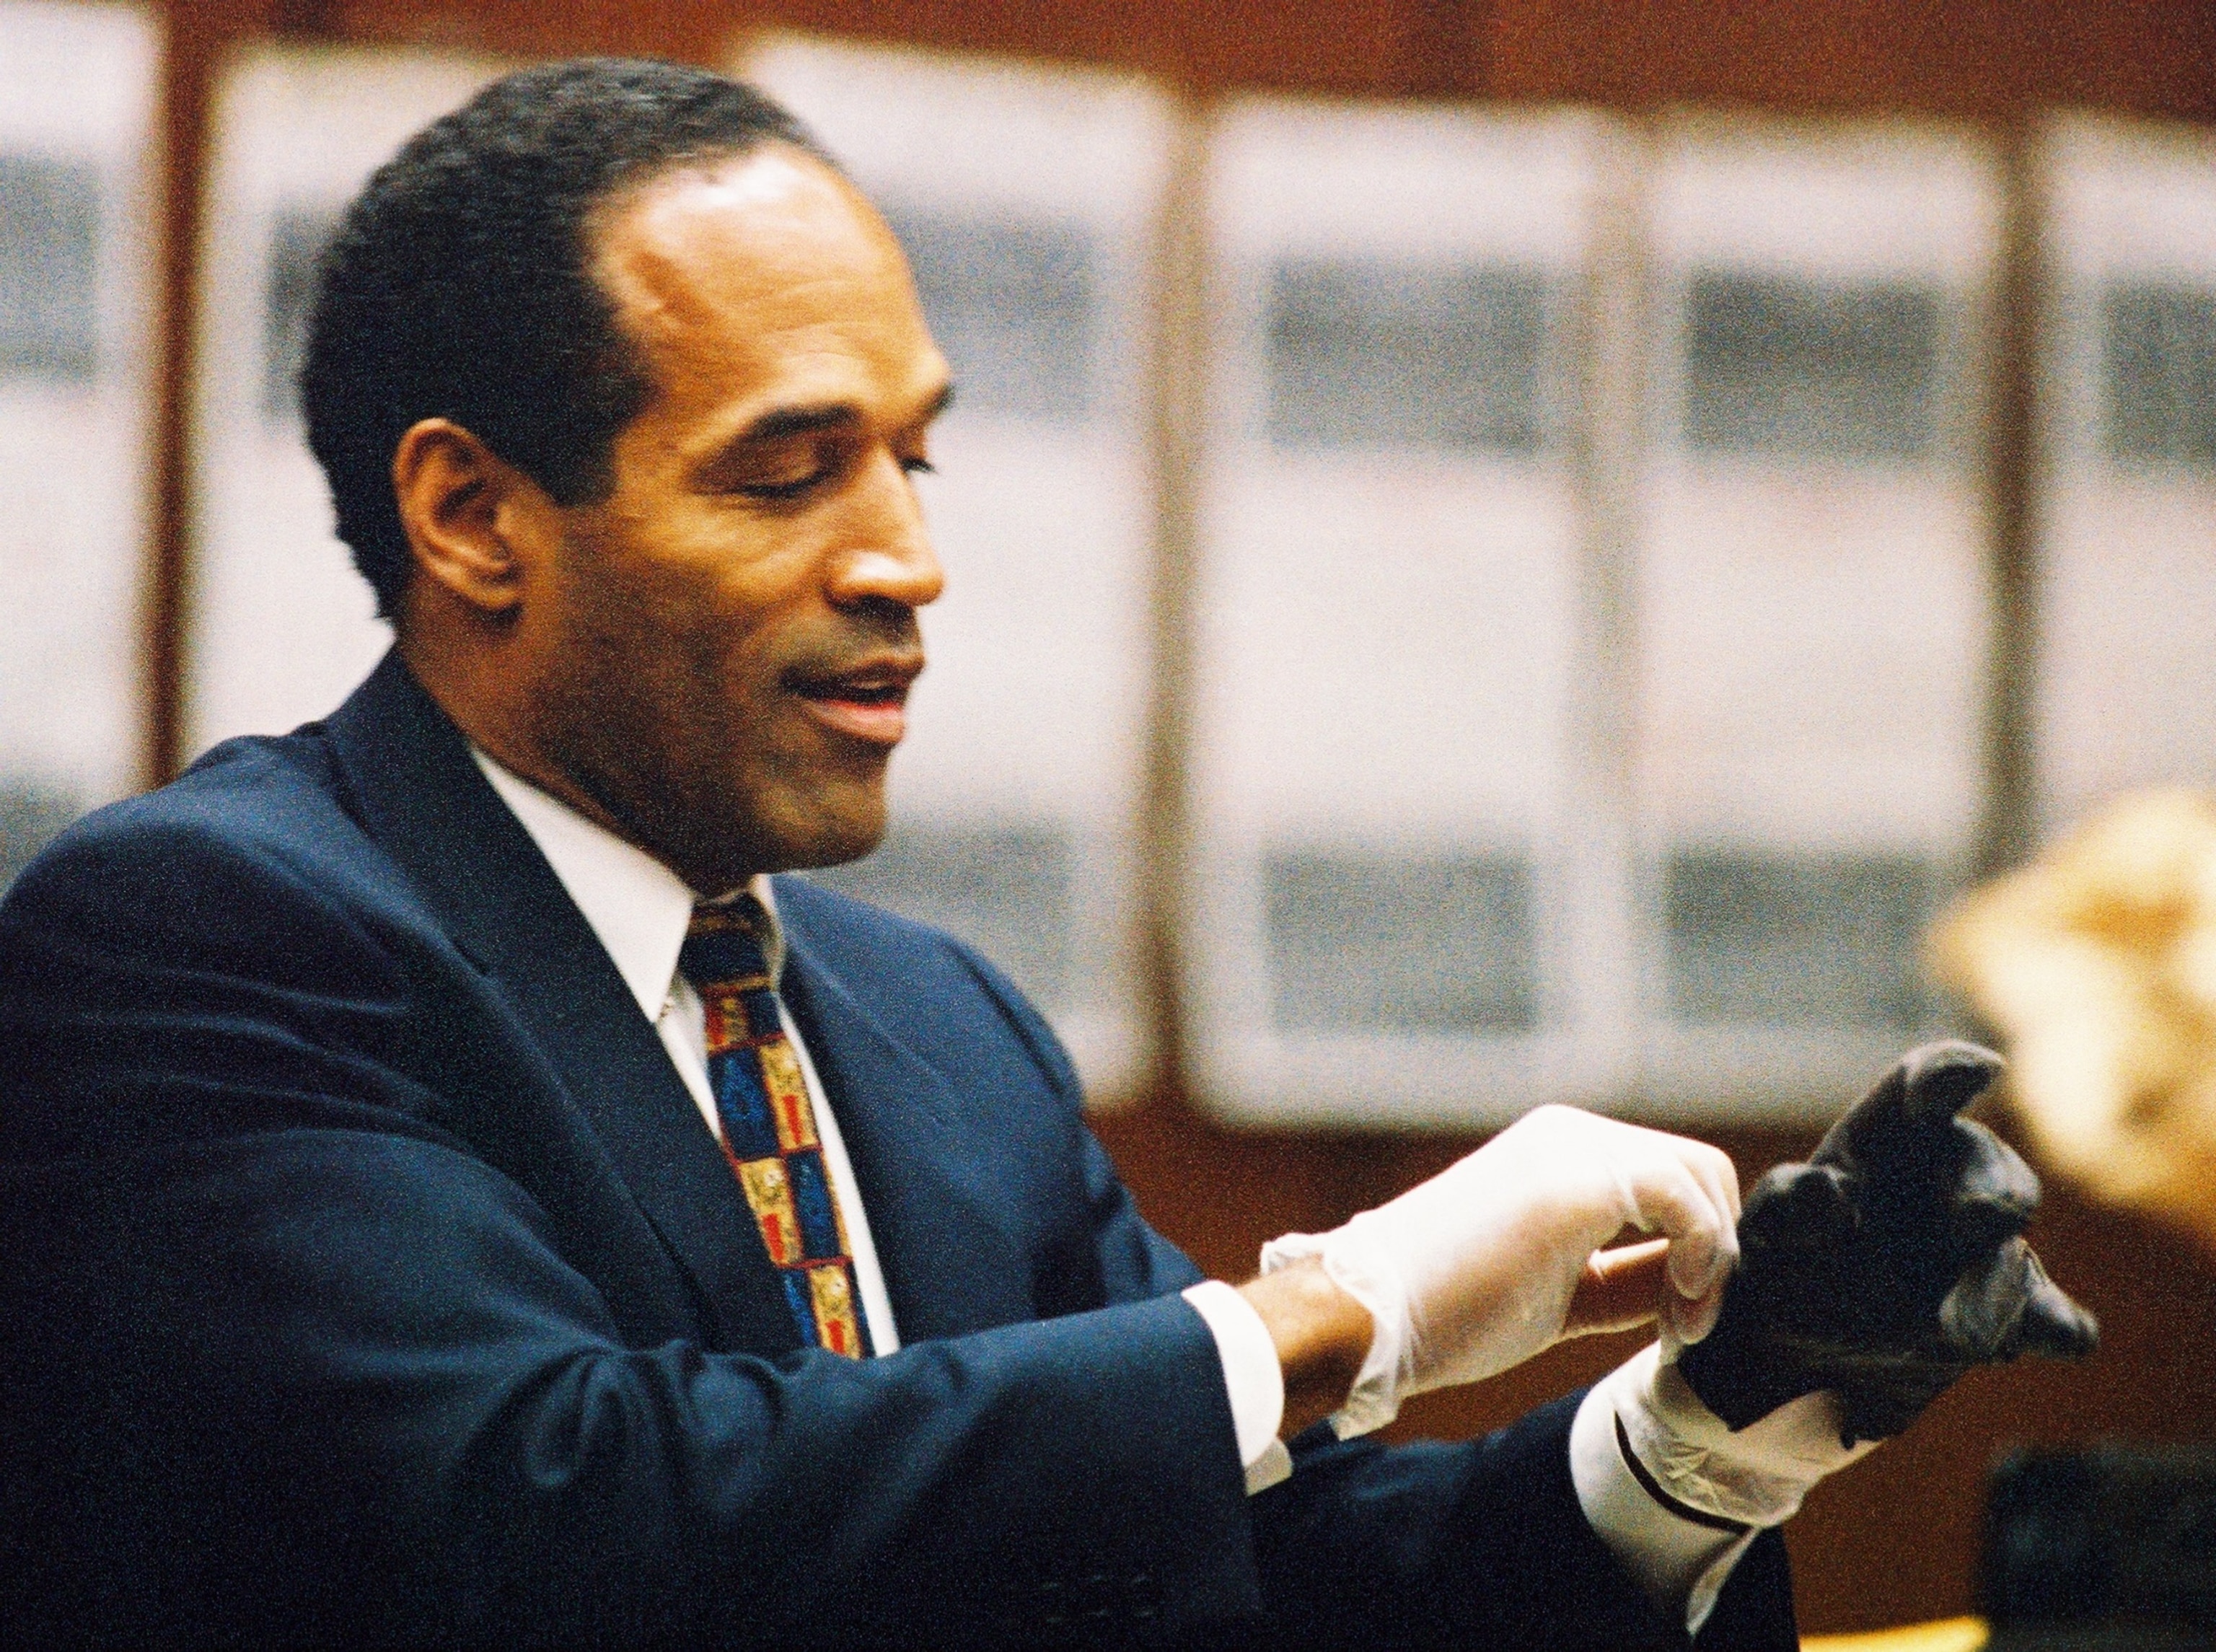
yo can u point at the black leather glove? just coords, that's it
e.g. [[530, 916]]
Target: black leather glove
[[1888, 1265]]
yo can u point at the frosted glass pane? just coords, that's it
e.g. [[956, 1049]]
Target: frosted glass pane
[[1810, 598], [77, 251], [1815, 369], [2157, 371], [1365, 353], [1027, 200], [1782, 937], [2127, 529], [281, 627], [49, 267], [1400, 943], [1391, 843], [1015, 302]]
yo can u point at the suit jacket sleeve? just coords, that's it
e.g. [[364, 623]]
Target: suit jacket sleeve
[[289, 1359]]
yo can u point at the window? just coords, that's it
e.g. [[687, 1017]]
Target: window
[[76, 240], [2126, 522], [2158, 374], [1389, 867], [1810, 368], [1820, 941], [1015, 303], [1443, 357], [297, 240], [1401, 944], [1810, 598]]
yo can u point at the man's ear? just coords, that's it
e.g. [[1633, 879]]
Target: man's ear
[[474, 521]]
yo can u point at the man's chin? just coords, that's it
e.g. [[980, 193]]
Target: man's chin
[[830, 854], [827, 837], [797, 837]]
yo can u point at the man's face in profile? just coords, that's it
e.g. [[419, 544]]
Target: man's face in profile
[[728, 640]]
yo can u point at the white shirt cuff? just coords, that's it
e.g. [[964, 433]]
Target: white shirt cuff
[[1671, 1557], [1251, 1378]]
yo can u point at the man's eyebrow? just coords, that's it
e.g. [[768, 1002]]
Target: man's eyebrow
[[800, 421]]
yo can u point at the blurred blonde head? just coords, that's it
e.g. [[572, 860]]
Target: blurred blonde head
[[2098, 964]]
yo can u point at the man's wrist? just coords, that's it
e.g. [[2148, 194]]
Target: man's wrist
[[1363, 1273], [1321, 1335]]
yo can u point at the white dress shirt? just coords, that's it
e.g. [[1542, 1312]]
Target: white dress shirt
[[641, 911]]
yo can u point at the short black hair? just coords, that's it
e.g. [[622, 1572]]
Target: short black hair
[[457, 285]]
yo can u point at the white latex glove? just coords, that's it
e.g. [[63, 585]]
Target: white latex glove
[[1472, 1272]]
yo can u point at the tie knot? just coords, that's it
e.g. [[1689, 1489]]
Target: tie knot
[[723, 943]]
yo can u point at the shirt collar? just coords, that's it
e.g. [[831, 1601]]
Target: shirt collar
[[638, 907]]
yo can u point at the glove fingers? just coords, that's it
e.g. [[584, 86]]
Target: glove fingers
[[1922, 1093], [1981, 1314], [1889, 1265], [1996, 1192], [1801, 1207], [2052, 1323], [1944, 1078], [2005, 1306]]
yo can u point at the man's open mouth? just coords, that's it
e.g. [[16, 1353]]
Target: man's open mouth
[[868, 702]]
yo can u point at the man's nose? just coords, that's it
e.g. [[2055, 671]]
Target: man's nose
[[890, 557]]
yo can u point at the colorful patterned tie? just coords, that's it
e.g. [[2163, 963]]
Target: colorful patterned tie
[[769, 1125]]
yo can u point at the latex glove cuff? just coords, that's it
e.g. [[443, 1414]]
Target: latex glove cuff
[[1755, 1475], [1363, 1271]]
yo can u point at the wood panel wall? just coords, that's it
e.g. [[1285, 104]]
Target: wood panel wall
[[1894, 1539]]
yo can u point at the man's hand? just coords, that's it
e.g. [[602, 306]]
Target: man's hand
[[1494, 1259], [1889, 1265], [1322, 1335]]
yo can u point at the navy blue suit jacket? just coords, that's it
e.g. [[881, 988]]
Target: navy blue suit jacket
[[369, 1276]]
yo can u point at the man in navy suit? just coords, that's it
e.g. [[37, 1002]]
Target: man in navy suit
[[386, 1258]]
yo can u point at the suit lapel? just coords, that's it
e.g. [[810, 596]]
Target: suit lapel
[[430, 807], [950, 1264]]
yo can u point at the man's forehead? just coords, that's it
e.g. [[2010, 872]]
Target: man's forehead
[[764, 280], [773, 229]]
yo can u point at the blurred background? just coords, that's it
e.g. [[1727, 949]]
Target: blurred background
[[1500, 549]]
